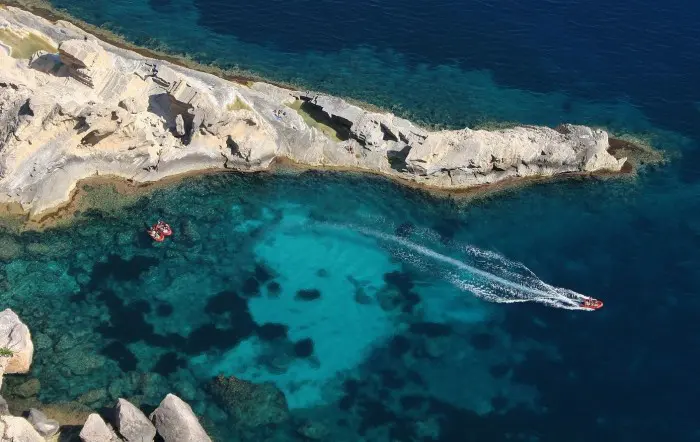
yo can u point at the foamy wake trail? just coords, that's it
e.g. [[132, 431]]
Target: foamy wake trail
[[489, 275]]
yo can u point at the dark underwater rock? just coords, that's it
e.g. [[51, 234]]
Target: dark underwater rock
[[252, 405], [304, 348], [308, 295], [313, 430]]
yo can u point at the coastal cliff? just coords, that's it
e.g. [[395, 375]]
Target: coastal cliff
[[73, 107]]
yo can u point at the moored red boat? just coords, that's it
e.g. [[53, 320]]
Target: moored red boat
[[156, 235], [164, 228]]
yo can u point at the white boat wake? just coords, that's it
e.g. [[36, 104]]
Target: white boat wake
[[492, 277]]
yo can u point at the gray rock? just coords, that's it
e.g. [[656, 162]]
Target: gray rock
[[43, 425], [18, 429], [4, 408], [96, 430], [179, 126], [132, 424], [176, 422]]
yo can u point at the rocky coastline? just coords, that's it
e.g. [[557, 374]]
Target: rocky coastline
[[173, 419], [253, 406], [74, 107]]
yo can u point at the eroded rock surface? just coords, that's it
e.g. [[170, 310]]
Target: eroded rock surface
[[97, 430], [250, 404], [16, 340], [43, 425], [94, 109], [132, 424], [17, 429], [176, 422]]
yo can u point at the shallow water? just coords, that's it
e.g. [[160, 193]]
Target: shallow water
[[259, 264], [404, 342]]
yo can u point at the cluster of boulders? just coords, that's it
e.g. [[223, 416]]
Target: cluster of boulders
[[173, 420]]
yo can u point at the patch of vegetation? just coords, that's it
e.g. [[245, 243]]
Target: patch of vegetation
[[238, 105], [319, 120], [6, 352], [24, 46]]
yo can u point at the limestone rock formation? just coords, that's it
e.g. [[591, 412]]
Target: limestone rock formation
[[176, 422], [15, 338], [252, 405], [17, 429], [43, 425], [93, 108], [132, 424], [97, 430]]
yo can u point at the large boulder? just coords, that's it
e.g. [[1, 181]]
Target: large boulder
[[252, 405], [97, 430], [16, 341], [18, 429], [176, 422], [43, 425], [132, 424]]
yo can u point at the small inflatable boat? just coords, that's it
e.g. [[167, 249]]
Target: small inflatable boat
[[164, 228], [156, 235], [591, 304], [159, 231]]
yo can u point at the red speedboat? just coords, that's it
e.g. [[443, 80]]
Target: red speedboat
[[591, 304]]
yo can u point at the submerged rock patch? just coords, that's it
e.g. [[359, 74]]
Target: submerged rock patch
[[308, 295], [304, 348]]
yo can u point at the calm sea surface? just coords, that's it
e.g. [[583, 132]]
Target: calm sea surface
[[371, 306]]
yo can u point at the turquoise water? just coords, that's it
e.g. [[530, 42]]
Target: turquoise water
[[350, 294], [373, 307]]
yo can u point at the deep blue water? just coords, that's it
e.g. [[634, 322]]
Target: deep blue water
[[401, 348]]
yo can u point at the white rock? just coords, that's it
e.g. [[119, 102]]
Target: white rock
[[179, 126], [57, 128], [43, 425], [96, 430], [132, 424], [176, 422], [17, 429], [15, 336]]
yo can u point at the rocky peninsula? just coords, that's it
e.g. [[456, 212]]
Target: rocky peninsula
[[73, 107]]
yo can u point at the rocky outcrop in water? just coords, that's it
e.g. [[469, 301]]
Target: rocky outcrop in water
[[97, 430], [43, 425], [132, 424], [15, 344], [16, 429], [176, 422], [251, 405], [173, 420], [90, 108]]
